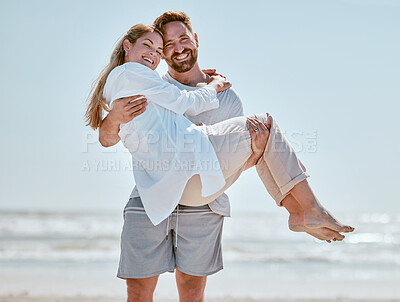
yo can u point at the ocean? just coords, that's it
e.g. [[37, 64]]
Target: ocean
[[260, 256]]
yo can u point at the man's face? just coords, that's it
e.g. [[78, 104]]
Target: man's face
[[180, 47]]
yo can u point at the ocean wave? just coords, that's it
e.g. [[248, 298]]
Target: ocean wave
[[255, 238]]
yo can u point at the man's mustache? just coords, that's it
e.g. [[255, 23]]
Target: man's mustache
[[179, 54]]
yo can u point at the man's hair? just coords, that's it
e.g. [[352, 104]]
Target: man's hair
[[172, 16]]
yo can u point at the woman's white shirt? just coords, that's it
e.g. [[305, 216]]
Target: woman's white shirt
[[167, 149]]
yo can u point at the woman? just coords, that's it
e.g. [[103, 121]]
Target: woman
[[159, 161]]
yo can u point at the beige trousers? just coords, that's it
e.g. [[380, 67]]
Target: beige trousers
[[279, 168]]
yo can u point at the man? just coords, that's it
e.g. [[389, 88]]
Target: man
[[189, 241], [198, 254]]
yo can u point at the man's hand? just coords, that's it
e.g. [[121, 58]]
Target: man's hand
[[123, 112], [126, 109], [259, 133]]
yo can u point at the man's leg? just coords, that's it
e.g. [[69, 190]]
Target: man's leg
[[141, 290], [197, 234], [190, 288], [146, 252]]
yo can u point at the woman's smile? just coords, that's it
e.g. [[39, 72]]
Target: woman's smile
[[147, 50]]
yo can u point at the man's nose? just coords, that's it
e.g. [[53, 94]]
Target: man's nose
[[179, 48]]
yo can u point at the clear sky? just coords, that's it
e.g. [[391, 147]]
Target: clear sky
[[329, 71]]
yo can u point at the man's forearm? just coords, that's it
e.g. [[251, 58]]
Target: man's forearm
[[108, 132]]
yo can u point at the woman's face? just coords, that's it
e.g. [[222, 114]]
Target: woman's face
[[147, 50]]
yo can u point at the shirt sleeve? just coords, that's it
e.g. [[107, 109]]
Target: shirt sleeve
[[134, 79], [236, 105]]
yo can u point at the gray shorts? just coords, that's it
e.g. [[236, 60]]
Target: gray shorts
[[188, 240]]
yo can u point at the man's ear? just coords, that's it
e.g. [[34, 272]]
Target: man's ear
[[196, 39]]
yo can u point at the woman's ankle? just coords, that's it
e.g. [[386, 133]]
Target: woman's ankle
[[305, 196]]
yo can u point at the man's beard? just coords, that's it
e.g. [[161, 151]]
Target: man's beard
[[186, 65]]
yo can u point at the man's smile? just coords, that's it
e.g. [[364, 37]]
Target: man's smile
[[183, 56]]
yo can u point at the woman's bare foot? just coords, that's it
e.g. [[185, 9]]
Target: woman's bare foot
[[296, 224], [315, 215], [323, 234], [319, 217]]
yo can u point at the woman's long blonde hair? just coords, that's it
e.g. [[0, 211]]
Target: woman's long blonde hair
[[97, 103]]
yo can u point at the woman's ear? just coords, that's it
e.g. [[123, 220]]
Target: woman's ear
[[127, 45]]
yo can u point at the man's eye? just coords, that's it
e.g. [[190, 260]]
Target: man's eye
[[159, 52], [167, 45], [147, 45], [184, 39]]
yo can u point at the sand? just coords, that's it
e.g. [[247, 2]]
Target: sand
[[110, 299]]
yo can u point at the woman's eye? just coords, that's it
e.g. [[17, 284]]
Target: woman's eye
[[147, 45], [159, 53]]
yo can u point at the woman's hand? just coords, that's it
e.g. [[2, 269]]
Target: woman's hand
[[219, 83], [212, 72]]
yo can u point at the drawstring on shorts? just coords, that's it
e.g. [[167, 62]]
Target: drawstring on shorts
[[166, 234], [176, 231], [176, 228]]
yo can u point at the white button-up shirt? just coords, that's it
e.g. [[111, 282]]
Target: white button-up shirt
[[167, 149], [230, 106]]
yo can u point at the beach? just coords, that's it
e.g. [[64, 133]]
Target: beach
[[327, 71], [74, 257], [228, 299]]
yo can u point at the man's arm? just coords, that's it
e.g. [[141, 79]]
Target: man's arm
[[236, 108], [257, 139], [108, 131], [123, 111]]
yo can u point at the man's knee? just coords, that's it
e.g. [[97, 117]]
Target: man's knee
[[141, 289], [191, 288]]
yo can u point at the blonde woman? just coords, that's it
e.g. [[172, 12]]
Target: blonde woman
[[192, 165]]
